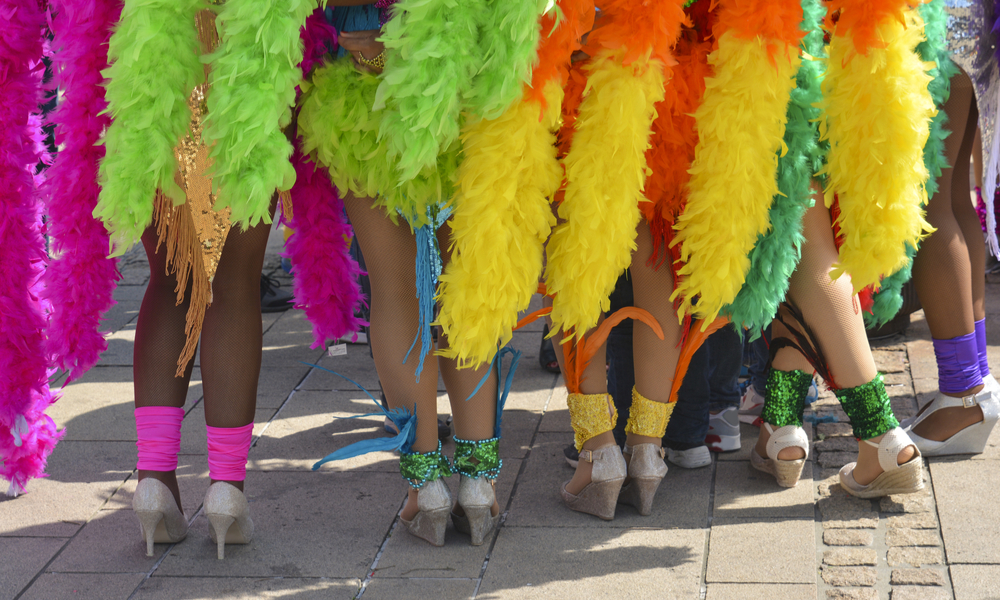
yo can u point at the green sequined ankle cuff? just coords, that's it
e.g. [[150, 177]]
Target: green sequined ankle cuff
[[478, 459], [868, 408], [785, 397], [419, 468]]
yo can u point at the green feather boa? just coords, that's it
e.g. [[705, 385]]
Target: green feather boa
[[777, 252], [888, 300], [154, 68], [253, 79]]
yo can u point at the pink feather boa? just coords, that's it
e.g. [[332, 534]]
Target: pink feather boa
[[80, 280], [325, 276], [318, 38], [27, 434]]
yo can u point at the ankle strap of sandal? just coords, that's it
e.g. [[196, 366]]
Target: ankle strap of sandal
[[477, 459], [417, 468]]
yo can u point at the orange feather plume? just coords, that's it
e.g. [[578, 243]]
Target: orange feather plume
[[860, 19]]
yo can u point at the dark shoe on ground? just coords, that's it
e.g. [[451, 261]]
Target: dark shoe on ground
[[272, 297], [572, 456], [547, 354]]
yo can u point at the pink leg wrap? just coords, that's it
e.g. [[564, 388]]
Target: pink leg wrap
[[158, 429], [227, 452]]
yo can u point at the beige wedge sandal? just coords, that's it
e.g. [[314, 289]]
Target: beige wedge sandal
[[896, 478], [787, 472]]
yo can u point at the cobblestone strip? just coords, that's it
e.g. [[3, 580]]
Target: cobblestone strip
[[888, 548]]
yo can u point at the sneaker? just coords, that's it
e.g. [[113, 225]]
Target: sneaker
[[723, 431], [572, 456], [751, 406], [693, 458], [272, 298]]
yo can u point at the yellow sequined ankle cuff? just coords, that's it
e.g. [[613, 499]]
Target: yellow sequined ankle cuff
[[590, 415], [647, 417]]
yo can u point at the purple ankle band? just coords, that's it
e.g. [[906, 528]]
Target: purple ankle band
[[958, 364], [984, 364]]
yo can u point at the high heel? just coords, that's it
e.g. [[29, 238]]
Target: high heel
[[646, 470], [228, 515], [895, 478], [786, 472], [972, 439], [433, 506], [476, 497], [600, 496], [160, 520]]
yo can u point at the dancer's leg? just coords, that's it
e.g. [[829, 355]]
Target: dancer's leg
[[655, 359], [159, 339], [832, 311], [231, 341], [390, 251], [949, 269]]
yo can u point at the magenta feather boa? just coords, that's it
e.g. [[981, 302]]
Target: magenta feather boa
[[27, 434], [325, 276], [80, 280]]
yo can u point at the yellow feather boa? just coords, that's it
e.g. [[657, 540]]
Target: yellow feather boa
[[877, 111], [500, 223], [605, 173], [741, 123]]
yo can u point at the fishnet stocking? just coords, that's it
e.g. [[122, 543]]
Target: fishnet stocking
[[949, 268], [829, 307]]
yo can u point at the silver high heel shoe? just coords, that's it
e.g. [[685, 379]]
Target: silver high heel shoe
[[600, 496], [433, 506], [160, 520], [972, 439], [646, 470], [476, 497], [228, 516]]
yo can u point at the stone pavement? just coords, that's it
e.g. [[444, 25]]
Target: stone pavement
[[720, 532]]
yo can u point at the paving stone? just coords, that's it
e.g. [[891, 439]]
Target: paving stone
[[293, 511], [912, 537], [898, 385], [384, 588], [735, 540], [924, 520], [761, 591], [838, 444], [245, 588], [914, 557], [852, 523], [908, 503], [83, 586], [744, 492], [830, 430], [850, 576], [970, 533], [116, 533], [976, 582], [916, 577], [847, 537], [276, 383], [845, 507], [835, 460], [922, 592], [681, 501], [850, 557], [889, 362], [405, 556], [852, 594], [22, 558], [903, 407], [560, 562]]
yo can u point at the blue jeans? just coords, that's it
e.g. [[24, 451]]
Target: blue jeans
[[758, 353]]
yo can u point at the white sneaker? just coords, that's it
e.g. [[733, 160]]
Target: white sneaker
[[723, 431], [693, 458], [751, 406]]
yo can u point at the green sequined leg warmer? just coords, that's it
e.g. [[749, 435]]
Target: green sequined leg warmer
[[867, 406], [785, 397], [418, 468], [478, 459]]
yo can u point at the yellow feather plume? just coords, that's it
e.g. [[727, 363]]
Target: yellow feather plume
[[877, 112], [500, 223], [741, 123], [605, 173]]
